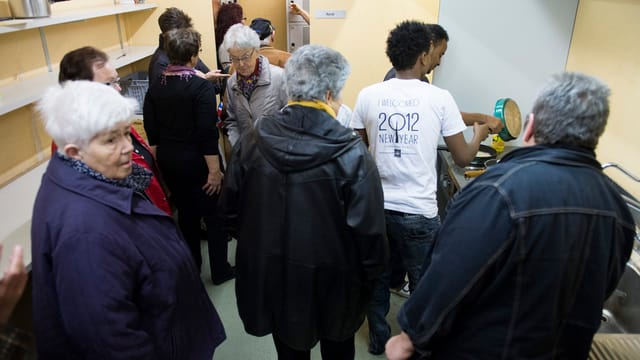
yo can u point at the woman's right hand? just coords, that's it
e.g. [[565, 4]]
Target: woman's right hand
[[214, 182]]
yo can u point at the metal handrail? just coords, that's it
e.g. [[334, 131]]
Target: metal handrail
[[632, 203], [623, 170]]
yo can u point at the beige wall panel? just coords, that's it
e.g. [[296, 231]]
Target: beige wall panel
[[605, 45], [142, 28], [202, 14], [42, 140], [5, 11], [275, 11], [16, 137], [66, 37], [21, 52], [361, 36], [142, 65]]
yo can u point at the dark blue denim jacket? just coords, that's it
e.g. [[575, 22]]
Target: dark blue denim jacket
[[523, 261]]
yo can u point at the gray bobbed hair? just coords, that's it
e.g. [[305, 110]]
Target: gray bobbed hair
[[312, 70]]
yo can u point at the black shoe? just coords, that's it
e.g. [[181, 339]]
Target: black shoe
[[376, 344], [376, 350], [231, 274]]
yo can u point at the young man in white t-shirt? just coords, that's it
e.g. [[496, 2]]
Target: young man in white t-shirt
[[402, 120]]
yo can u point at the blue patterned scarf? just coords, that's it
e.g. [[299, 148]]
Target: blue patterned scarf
[[138, 180]]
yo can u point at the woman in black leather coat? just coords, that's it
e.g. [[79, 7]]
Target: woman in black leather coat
[[303, 196]]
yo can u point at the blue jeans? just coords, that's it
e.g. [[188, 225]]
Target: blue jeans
[[412, 236]]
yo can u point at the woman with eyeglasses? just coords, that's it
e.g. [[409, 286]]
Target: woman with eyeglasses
[[180, 121], [89, 63], [256, 88]]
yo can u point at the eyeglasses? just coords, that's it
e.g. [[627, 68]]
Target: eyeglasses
[[244, 58], [115, 82]]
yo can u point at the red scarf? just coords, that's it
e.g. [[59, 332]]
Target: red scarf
[[184, 72]]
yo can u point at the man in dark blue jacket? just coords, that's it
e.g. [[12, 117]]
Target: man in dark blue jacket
[[529, 251]]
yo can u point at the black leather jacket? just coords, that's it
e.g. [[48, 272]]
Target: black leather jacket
[[305, 198]]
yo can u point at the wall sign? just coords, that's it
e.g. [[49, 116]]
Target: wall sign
[[330, 14]]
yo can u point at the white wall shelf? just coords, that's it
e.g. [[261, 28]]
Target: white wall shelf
[[130, 54], [67, 16], [24, 92]]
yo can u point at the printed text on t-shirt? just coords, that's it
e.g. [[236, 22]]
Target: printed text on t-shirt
[[398, 125]]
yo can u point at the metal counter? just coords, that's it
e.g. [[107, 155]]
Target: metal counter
[[456, 173]]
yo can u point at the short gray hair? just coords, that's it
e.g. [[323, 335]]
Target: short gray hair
[[312, 70], [242, 37], [571, 109], [77, 111]]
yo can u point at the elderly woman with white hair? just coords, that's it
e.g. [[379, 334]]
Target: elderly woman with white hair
[[256, 88], [112, 277], [311, 248]]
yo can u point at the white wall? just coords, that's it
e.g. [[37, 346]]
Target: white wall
[[500, 48]]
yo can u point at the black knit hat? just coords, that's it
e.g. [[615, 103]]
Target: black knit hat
[[263, 27]]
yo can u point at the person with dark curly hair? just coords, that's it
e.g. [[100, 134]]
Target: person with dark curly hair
[[229, 14], [398, 285], [402, 120], [439, 34]]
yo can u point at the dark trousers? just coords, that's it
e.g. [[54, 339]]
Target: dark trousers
[[398, 272], [185, 172], [330, 350], [413, 237], [217, 243]]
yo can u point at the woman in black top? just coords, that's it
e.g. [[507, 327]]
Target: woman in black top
[[180, 121]]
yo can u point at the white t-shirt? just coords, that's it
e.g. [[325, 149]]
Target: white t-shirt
[[404, 120], [344, 115]]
